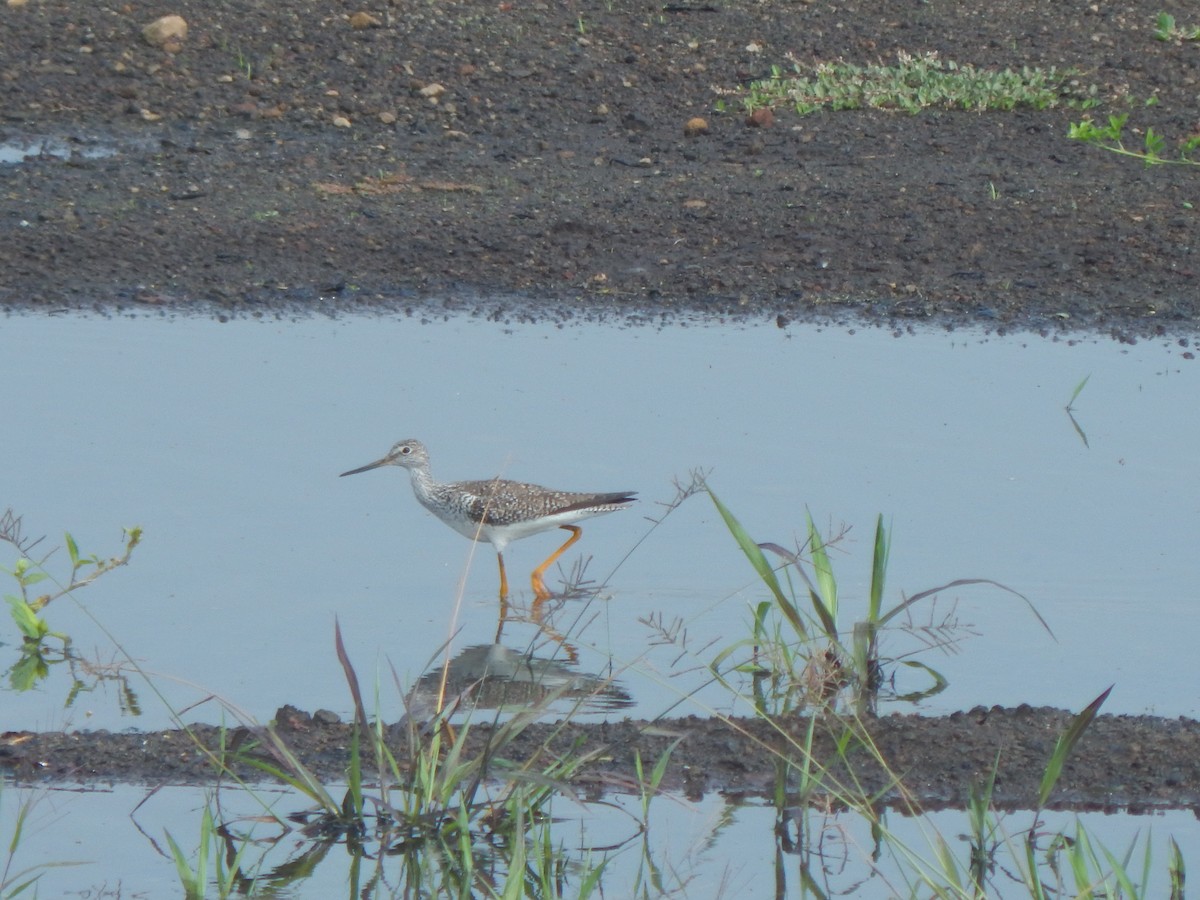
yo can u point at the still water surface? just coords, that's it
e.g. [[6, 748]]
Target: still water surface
[[224, 441], [713, 847]]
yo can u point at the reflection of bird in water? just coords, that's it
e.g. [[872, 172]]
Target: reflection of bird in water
[[499, 678]]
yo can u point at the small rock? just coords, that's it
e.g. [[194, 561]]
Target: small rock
[[361, 21], [695, 204], [13, 4], [761, 118], [341, 122], [695, 127], [167, 33], [432, 91], [288, 718], [388, 118]]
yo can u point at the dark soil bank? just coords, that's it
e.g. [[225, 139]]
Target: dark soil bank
[[531, 157], [309, 155], [1138, 762]]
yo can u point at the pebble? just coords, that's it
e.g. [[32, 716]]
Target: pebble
[[167, 33], [761, 118], [363, 20]]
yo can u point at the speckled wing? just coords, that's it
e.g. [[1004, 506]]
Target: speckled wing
[[501, 502]]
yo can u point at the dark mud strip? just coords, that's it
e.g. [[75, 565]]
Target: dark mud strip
[[1139, 763]]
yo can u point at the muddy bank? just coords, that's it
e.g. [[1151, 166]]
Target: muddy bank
[[1139, 762], [301, 157]]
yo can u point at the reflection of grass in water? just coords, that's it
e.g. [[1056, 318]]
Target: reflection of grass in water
[[18, 881]]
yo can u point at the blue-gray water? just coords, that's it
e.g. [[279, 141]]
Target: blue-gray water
[[224, 442]]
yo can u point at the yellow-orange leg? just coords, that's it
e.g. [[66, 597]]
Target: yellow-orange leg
[[503, 578], [539, 586]]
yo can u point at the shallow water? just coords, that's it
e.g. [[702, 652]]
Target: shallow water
[[18, 149], [224, 442], [715, 847]]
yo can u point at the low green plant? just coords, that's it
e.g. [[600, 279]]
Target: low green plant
[[37, 654], [916, 83], [1165, 29], [983, 830], [1110, 136], [27, 572], [806, 655]]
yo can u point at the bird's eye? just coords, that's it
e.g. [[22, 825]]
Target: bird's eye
[[406, 450]]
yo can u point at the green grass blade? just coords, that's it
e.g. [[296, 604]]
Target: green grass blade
[[1066, 743], [825, 597], [591, 881], [760, 563], [879, 564], [1177, 870], [1031, 880], [1078, 856], [1120, 872], [72, 550], [1078, 390], [947, 864], [660, 767], [192, 881]]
